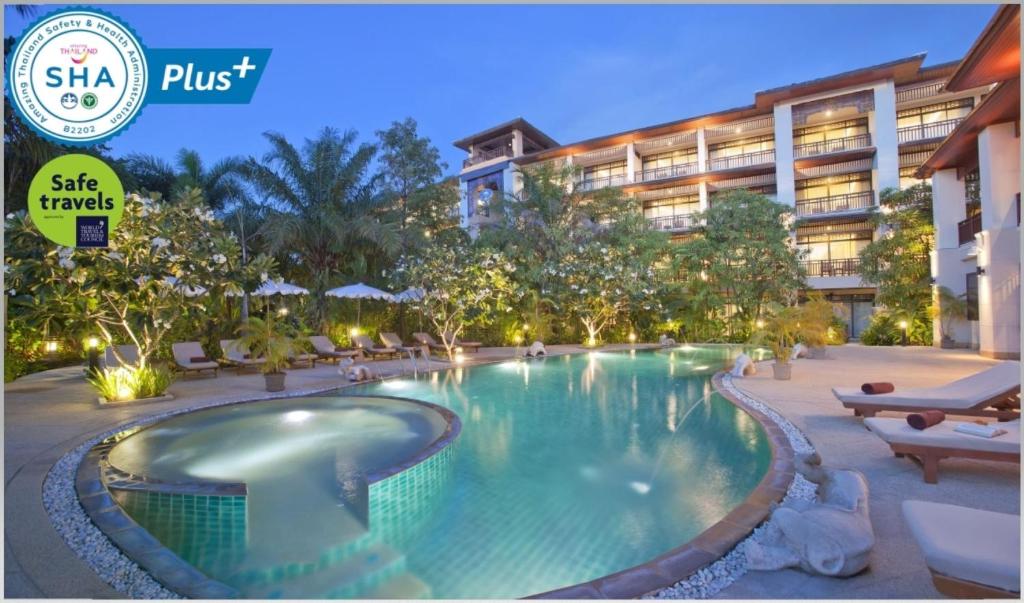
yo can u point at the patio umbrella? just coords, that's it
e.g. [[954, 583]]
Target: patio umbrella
[[269, 288], [359, 292], [412, 294], [185, 290]]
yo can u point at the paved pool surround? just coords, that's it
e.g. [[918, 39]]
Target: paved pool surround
[[670, 570]]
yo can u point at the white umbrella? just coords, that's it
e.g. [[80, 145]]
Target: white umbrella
[[269, 288], [186, 290], [359, 292], [412, 294]]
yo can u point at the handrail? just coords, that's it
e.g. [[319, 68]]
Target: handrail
[[837, 267], [482, 156], [672, 171], [592, 184], [835, 203], [679, 222], [939, 129], [849, 143], [966, 229], [738, 161]]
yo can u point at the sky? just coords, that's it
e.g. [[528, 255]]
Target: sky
[[574, 71]]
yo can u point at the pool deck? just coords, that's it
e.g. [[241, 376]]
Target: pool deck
[[50, 413]]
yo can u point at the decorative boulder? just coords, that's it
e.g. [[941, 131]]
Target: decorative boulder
[[799, 351], [536, 349], [743, 366], [830, 536], [354, 372], [666, 341]]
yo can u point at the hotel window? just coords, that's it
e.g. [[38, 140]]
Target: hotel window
[[606, 173], [833, 131], [669, 159], [972, 192], [833, 186], [972, 296], [743, 146], [908, 179], [672, 206], [833, 245], [930, 114]]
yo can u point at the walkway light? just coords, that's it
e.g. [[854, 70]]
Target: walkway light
[[632, 337], [459, 356], [93, 345], [51, 345], [759, 323], [282, 312], [903, 334], [353, 331]]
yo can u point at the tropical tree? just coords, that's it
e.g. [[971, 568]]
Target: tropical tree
[[219, 183], [324, 219], [161, 260], [898, 263], [464, 285], [743, 259]]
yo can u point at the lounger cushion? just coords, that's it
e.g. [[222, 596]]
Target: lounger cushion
[[896, 431], [969, 544], [962, 394], [200, 366]]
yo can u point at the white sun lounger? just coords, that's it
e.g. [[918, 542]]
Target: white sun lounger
[[236, 355], [972, 395], [971, 553], [185, 351], [938, 442]]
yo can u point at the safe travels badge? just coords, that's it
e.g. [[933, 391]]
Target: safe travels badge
[[76, 201]]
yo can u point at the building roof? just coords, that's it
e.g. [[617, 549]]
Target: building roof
[[518, 123], [902, 71], [994, 56]]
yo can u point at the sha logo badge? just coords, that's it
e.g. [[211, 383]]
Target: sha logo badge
[[78, 76]]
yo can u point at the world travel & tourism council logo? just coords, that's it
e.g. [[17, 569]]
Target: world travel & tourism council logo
[[78, 76]]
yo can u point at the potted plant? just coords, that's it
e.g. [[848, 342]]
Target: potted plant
[[949, 307], [779, 332], [264, 338], [816, 316]]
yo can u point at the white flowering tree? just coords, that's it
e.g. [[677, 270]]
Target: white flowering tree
[[164, 259], [463, 286], [598, 284]]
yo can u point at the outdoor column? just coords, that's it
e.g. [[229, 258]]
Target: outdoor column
[[882, 125], [702, 192], [702, 151], [999, 242], [630, 163], [949, 207], [784, 173], [517, 143]]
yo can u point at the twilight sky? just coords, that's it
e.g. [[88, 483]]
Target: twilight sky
[[573, 71]]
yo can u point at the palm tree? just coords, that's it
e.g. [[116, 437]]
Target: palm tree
[[326, 217], [219, 183]]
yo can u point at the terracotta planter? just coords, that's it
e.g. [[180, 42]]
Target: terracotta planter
[[275, 381], [817, 352], [782, 372]]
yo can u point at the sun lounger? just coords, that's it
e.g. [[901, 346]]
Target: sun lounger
[[237, 356], [188, 355], [303, 357], [972, 554], [326, 349], [975, 395], [392, 340], [929, 446], [469, 346], [373, 350], [430, 342], [129, 352]]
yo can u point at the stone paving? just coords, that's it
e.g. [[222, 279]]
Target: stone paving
[[48, 414]]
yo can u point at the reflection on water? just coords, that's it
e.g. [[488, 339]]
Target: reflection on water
[[566, 469]]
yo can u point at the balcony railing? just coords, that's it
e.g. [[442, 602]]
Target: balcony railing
[[837, 145], [672, 171], [680, 222], [939, 129], [592, 184], [482, 156], [835, 203], [966, 229], [913, 93], [739, 161], [840, 267]]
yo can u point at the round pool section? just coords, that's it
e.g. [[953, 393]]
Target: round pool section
[[566, 469]]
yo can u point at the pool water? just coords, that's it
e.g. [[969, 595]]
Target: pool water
[[566, 469]]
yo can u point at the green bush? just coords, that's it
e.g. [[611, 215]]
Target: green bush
[[884, 329], [837, 330], [124, 383]]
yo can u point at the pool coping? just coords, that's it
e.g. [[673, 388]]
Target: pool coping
[[95, 477], [668, 569]]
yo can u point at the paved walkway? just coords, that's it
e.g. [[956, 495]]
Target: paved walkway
[[897, 568], [50, 413]]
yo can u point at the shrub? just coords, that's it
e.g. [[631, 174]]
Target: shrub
[[131, 383], [837, 330], [884, 329]]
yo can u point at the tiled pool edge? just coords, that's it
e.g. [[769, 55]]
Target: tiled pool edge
[[668, 575], [98, 531]]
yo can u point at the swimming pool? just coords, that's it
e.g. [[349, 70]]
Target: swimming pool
[[566, 469]]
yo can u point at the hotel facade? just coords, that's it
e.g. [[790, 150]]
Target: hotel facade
[[825, 147]]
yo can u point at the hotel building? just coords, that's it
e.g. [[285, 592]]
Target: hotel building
[[825, 147]]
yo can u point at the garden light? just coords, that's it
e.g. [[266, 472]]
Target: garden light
[[517, 339], [632, 337], [759, 323], [353, 331], [459, 357], [282, 312], [50, 346], [903, 332], [93, 344], [592, 341]]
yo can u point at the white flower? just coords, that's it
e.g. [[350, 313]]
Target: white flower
[[65, 252], [220, 258], [141, 280], [113, 255], [263, 277], [160, 242], [10, 216], [12, 292], [67, 263]]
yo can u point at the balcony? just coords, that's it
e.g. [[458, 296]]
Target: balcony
[[482, 156], [742, 161], [836, 203], [839, 267], [674, 223], [672, 171], [966, 229], [838, 145], [939, 129], [913, 93], [593, 184]]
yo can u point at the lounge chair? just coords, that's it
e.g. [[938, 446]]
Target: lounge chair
[[427, 340], [469, 346], [308, 358], [237, 356], [976, 395], [972, 554], [373, 350], [189, 356], [129, 352], [929, 446], [392, 340], [326, 349]]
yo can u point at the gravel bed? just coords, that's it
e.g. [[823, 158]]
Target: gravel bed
[[709, 581]]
